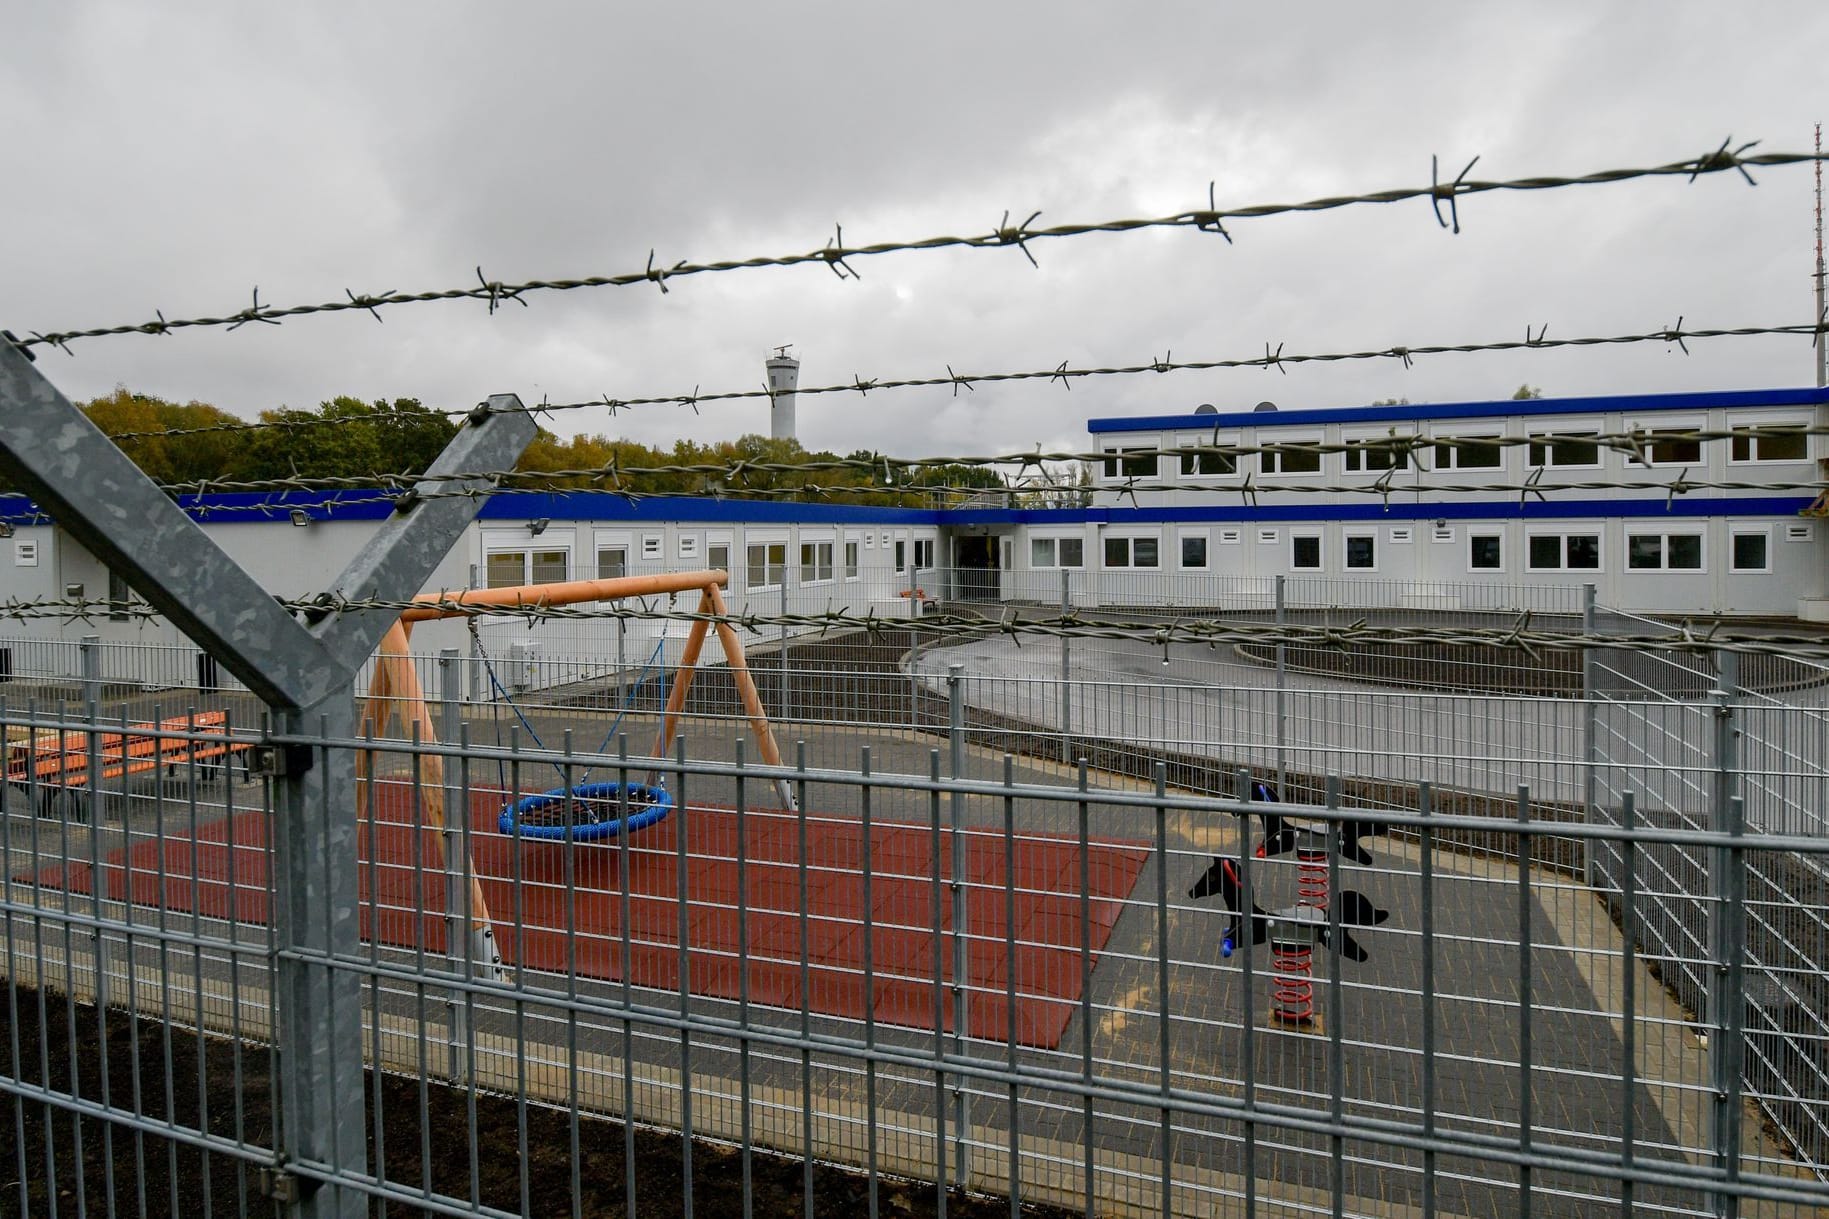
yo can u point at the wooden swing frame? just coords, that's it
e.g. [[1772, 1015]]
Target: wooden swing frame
[[395, 691]]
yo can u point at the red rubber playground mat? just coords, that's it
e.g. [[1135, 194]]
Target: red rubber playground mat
[[550, 918]]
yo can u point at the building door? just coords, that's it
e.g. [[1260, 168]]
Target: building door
[[976, 555]]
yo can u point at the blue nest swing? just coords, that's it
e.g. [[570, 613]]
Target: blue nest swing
[[589, 812]]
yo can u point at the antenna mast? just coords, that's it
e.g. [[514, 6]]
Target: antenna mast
[[1822, 340]]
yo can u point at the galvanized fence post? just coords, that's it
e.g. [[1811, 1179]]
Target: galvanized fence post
[[457, 938], [955, 736], [1590, 734], [1724, 998], [1282, 689], [1066, 671]]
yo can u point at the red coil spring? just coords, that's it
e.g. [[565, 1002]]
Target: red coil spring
[[1311, 879], [1293, 984]]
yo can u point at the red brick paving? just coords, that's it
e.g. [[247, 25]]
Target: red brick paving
[[404, 893]]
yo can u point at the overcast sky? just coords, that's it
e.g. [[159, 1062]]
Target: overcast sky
[[173, 156]]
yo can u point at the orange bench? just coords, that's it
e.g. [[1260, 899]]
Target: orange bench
[[57, 763]]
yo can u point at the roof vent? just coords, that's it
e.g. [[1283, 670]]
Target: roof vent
[[1206, 408], [1261, 407]]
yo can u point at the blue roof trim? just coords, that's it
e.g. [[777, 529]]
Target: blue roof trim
[[1422, 411], [260, 507], [1462, 510]]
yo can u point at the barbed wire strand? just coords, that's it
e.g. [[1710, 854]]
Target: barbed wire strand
[[1523, 634], [1392, 451], [838, 256], [1275, 358]]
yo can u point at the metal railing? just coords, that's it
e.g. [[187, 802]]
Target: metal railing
[[835, 981]]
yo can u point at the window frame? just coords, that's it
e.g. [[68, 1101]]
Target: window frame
[[1267, 459], [1195, 459], [1452, 446], [1563, 536], [1664, 427], [1734, 534], [530, 564], [604, 548], [1205, 538], [1754, 443], [1347, 538], [1540, 451], [1664, 537], [821, 566], [770, 565], [1115, 462], [1129, 542], [1299, 536], [1400, 446], [1476, 536], [1055, 543]]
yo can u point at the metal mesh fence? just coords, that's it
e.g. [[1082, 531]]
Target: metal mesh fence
[[956, 958]]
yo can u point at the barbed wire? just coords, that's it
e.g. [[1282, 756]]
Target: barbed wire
[[1394, 449], [1523, 634], [1275, 358], [837, 256], [1249, 494]]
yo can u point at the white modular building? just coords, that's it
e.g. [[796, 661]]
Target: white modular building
[[1670, 504]]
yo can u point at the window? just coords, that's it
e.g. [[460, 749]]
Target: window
[[1563, 552], [717, 555], [120, 597], [1208, 465], [650, 546], [767, 565], [512, 568], [689, 545], [506, 570], [850, 560], [1361, 552], [924, 552], [1305, 552], [1057, 552], [1563, 450], [1384, 453], [1194, 550], [1664, 551], [1666, 447], [1130, 463], [1485, 552], [1133, 552], [901, 555], [1749, 550], [1779, 442], [612, 562], [1289, 461], [1470, 453], [815, 562]]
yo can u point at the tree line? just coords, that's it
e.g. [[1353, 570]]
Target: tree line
[[195, 442]]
